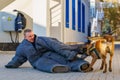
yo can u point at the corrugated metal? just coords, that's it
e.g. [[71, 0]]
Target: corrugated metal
[[4, 3]]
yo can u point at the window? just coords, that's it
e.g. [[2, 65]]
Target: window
[[73, 15], [83, 18], [79, 15], [67, 14]]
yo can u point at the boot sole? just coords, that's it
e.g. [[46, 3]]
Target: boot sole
[[60, 69]]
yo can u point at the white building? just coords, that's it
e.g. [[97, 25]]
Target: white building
[[67, 20], [97, 15]]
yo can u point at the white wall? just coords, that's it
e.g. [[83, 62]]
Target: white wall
[[73, 35], [39, 17], [22, 5], [36, 17], [36, 9]]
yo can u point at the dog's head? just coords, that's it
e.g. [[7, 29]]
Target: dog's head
[[97, 39], [109, 38]]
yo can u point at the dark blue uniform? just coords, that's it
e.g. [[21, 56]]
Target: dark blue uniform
[[45, 54]]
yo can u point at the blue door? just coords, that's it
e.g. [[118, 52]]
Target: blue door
[[79, 15], [67, 14], [73, 15], [83, 18]]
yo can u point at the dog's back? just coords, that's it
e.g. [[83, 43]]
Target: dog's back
[[105, 45]]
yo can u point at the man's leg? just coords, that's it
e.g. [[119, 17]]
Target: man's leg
[[48, 65], [83, 56], [79, 65]]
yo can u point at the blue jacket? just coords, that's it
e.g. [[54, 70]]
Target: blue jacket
[[45, 55]]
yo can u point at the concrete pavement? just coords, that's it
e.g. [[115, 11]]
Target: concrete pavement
[[26, 72]]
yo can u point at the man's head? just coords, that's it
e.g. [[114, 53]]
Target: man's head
[[29, 35]]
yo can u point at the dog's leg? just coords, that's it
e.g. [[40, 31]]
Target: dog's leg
[[105, 64], [111, 57], [110, 63], [102, 64], [94, 58]]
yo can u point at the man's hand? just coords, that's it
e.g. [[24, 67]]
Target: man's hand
[[10, 66]]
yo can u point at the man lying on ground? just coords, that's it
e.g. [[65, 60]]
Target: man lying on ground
[[47, 54]]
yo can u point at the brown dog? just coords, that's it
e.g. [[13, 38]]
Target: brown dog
[[102, 46]]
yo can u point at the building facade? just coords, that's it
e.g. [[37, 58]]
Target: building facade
[[68, 20]]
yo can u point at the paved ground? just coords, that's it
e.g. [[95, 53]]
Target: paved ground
[[26, 72]]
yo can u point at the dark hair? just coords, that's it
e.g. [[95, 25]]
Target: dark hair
[[27, 30]]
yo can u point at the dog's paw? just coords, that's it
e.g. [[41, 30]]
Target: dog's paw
[[104, 71], [101, 68], [110, 70], [89, 69]]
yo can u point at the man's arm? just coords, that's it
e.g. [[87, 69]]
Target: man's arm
[[17, 60], [59, 47]]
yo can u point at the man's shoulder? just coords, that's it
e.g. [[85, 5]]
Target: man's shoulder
[[43, 38], [23, 43]]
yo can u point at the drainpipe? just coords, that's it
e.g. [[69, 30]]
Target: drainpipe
[[62, 19]]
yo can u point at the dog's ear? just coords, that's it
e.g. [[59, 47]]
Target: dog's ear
[[95, 38], [91, 38], [108, 37]]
